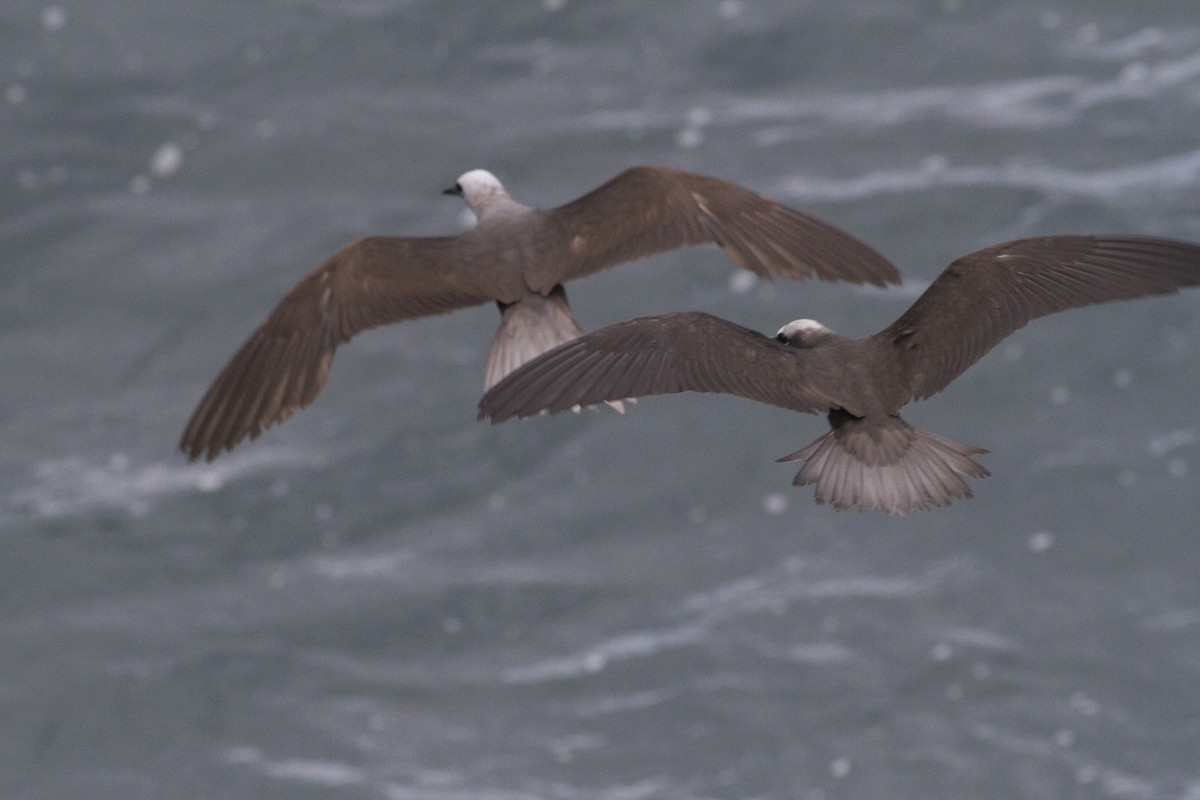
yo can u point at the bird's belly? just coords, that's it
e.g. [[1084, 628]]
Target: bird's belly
[[498, 268]]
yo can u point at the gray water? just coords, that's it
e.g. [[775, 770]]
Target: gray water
[[385, 599]]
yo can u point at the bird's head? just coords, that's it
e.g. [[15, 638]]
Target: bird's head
[[805, 333], [478, 189]]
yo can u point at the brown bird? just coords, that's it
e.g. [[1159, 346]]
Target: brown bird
[[519, 257], [871, 458]]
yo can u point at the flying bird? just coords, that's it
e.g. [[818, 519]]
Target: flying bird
[[871, 458], [518, 257]]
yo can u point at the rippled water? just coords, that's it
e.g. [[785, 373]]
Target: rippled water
[[385, 599]]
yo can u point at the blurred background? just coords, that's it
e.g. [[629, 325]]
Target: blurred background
[[384, 599]]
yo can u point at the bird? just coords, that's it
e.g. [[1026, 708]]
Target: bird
[[870, 458], [518, 257]]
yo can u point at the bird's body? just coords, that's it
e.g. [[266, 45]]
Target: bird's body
[[871, 457], [518, 257]]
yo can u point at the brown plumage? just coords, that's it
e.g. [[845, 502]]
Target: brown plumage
[[871, 458], [519, 257]]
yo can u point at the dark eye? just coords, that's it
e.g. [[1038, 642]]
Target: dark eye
[[458, 188]]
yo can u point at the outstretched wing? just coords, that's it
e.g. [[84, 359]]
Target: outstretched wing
[[662, 355], [284, 363], [647, 210], [985, 296]]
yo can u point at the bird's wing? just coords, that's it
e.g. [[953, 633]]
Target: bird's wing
[[984, 296], [661, 355], [284, 363], [647, 210]]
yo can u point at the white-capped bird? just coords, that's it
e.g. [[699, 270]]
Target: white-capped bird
[[871, 458], [518, 257]]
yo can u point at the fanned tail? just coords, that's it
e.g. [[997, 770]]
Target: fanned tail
[[888, 464], [529, 327]]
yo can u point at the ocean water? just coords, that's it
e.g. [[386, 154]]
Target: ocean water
[[384, 599]]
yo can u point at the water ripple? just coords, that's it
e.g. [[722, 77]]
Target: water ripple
[[78, 484], [1117, 185]]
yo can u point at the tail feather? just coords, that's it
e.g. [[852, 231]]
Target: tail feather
[[529, 327], [887, 464]]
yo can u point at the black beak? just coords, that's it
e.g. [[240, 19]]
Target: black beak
[[455, 189]]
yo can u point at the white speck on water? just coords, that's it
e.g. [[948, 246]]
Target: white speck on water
[[1086, 775], [166, 160], [1050, 20], [1013, 352], [206, 120], [54, 18], [1159, 446], [1123, 378], [942, 652], [135, 62], [15, 94], [27, 178], [699, 116], [1135, 72], [594, 662], [730, 9], [57, 175], [1126, 478], [496, 502], [742, 281], [279, 488], [139, 184], [690, 137], [840, 767], [1064, 737], [276, 580], [253, 53], [264, 128], [1059, 395], [1084, 704], [452, 625], [320, 773], [243, 755], [118, 462], [209, 481], [954, 692], [697, 515], [1041, 541], [1177, 467], [980, 671], [554, 5], [935, 165], [323, 512], [775, 504]]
